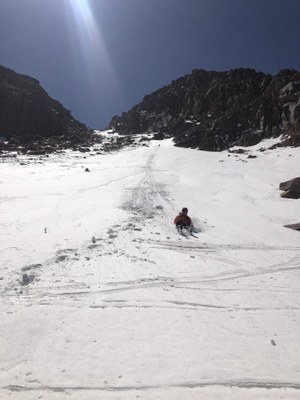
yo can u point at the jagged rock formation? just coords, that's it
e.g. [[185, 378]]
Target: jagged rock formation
[[216, 110], [28, 114]]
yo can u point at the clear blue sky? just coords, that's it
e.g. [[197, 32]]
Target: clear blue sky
[[100, 57]]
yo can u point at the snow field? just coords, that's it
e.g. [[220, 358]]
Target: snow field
[[140, 312]]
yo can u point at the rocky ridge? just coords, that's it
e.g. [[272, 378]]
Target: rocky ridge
[[214, 111], [30, 120]]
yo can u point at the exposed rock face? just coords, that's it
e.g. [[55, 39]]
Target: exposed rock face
[[26, 111], [216, 110], [291, 189]]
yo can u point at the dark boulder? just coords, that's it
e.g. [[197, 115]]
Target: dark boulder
[[291, 189], [292, 184], [158, 136], [296, 227]]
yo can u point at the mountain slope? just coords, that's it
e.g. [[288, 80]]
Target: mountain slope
[[216, 110], [27, 111]]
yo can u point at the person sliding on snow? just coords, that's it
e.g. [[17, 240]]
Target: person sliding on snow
[[183, 221]]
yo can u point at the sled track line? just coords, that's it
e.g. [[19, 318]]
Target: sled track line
[[47, 300], [180, 305], [239, 383], [166, 304], [204, 247], [145, 195], [236, 290], [105, 183], [156, 283]]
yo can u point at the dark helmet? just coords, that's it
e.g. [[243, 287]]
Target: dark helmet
[[185, 210]]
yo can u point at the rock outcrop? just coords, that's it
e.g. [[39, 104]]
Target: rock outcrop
[[27, 113], [216, 110], [296, 227], [291, 189]]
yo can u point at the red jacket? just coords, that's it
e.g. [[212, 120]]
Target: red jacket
[[184, 219]]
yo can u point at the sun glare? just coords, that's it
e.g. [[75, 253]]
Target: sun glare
[[83, 14], [89, 42]]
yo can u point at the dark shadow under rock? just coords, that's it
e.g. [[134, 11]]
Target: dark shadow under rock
[[290, 194]]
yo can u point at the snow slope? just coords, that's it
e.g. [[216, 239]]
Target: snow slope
[[102, 299]]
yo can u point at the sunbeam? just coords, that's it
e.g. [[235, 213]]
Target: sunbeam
[[88, 43], [84, 19]]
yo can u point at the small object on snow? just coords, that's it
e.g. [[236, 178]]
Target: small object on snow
[[93, 239], [272, 342], [45, 229], [87, 170]]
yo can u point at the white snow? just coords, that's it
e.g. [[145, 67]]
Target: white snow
[[143, 312]]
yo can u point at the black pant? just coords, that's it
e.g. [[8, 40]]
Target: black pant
[[181, 225]]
